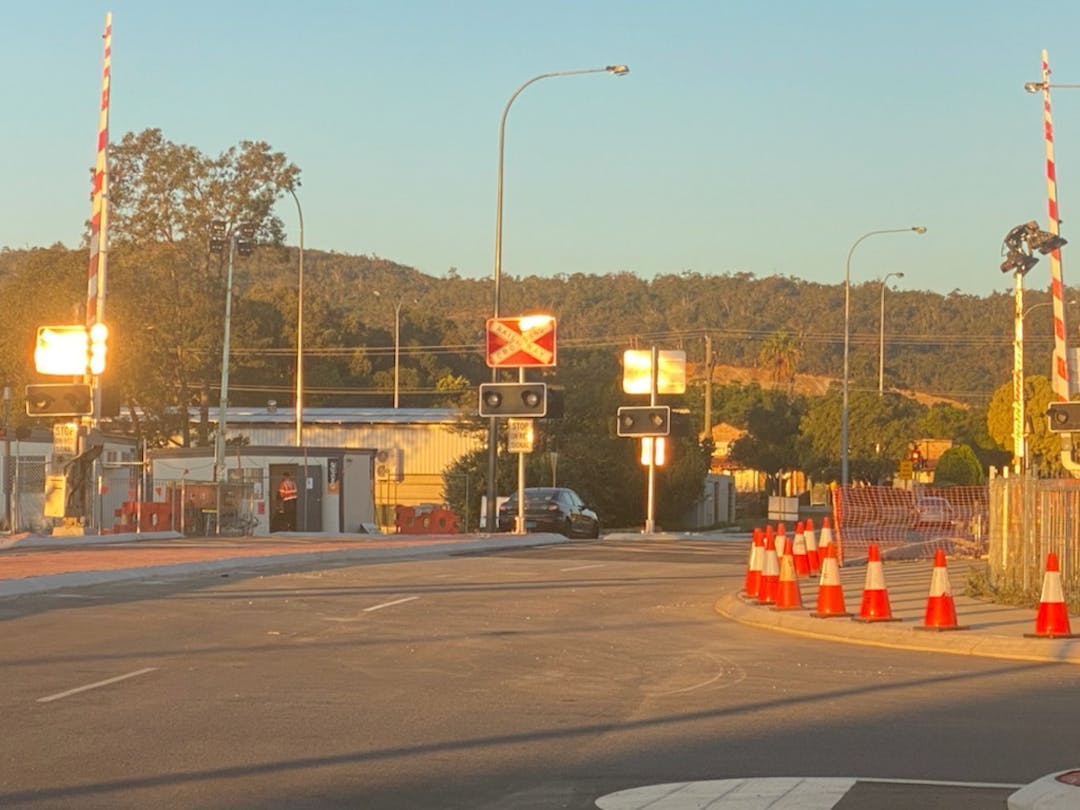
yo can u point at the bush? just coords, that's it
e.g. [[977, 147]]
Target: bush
[[958, 467]]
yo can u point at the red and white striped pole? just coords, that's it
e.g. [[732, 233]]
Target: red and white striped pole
[[95, 287], [1062, 376]]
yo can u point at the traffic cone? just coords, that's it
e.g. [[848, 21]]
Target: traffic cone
[[770, 570], [875, 602], [826, 538], [940, 608], [830, 596], [812, 555], [798, 551], [788, 596], [752, 586], [1052, 620]]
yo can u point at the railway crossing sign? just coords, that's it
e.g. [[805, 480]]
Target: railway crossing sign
[[520, 342]]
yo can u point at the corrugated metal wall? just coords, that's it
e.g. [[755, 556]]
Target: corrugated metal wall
[[426, 449]]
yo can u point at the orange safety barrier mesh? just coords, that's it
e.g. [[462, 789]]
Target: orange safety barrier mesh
[[911, 523]]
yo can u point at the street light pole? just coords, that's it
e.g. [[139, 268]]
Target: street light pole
[[844, 415], [299, 327], [881, 339], [219, 439], [1018, 373], [493, 424], [397, 344]]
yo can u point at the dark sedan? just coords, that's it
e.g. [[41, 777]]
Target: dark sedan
[[551, 509]]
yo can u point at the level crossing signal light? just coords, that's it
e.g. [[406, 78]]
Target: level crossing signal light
[[513, 399], [1064, 417], [644, 420], [59, 399], [99, 335], [218, 236], [245, 241]]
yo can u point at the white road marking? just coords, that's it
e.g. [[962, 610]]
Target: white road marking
[[390, 604], [97, 685], [772, 793], [582, 567]]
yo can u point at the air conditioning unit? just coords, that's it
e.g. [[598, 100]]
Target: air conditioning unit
[[388, 465]]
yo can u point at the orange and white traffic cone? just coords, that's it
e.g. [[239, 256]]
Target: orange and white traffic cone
[[830, 596], [798, 551], [812, 555], [940, 608], [770, 570], [788, 595], [1052, 620], [826, 538], [752, 585], [875, 602]]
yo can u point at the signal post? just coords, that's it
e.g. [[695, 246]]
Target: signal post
[[528, 341]]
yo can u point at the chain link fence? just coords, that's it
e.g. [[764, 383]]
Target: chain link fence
[[1029, 518]]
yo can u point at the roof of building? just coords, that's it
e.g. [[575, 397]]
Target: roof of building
[[237, 415]]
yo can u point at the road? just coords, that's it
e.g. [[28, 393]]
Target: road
[[534, 678]]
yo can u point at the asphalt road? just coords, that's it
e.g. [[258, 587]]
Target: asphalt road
[[535, 678]]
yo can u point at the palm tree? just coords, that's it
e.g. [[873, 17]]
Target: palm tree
[[780, 356]]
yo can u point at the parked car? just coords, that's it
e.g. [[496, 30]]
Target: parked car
[[551, 509], [933, 512]]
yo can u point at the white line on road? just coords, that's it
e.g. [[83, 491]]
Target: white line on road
[[763, 793], [90, 686], [583, 567], [390, 604]]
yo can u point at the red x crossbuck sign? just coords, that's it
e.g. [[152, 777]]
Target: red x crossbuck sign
[[517, 342]]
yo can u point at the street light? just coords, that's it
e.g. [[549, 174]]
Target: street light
[[299, 327], [397, 323], [920, 229], [881, 339], [241, 240], [493, 425]]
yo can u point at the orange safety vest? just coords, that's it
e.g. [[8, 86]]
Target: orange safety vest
[[287, 490]]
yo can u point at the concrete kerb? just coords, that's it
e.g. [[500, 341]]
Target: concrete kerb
[[360, 553], [898, 635]]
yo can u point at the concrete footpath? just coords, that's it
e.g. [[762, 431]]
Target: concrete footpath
[[35, 564], [32, 564]]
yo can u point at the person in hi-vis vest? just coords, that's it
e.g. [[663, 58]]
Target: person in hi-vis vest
[[287, 495]]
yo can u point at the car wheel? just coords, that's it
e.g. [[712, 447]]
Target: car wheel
[[596, 531], [568, 529]]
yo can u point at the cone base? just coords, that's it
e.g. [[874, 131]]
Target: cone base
[[943, 628], [830, 615], [1051, 635]]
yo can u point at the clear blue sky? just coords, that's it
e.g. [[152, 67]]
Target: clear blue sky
[[749, 136]]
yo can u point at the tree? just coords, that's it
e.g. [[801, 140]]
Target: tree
[[771, 444], [958, 466], [166, 287], [1044, 447], [780, 356], [879, 430]]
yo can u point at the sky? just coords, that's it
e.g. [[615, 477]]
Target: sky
[[748, 137]]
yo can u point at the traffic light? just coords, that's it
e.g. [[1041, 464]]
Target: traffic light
[[644, 420], [513, 399], [915, 457], [245, 241], [59, 399], [99, 334], [1064, 417]]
